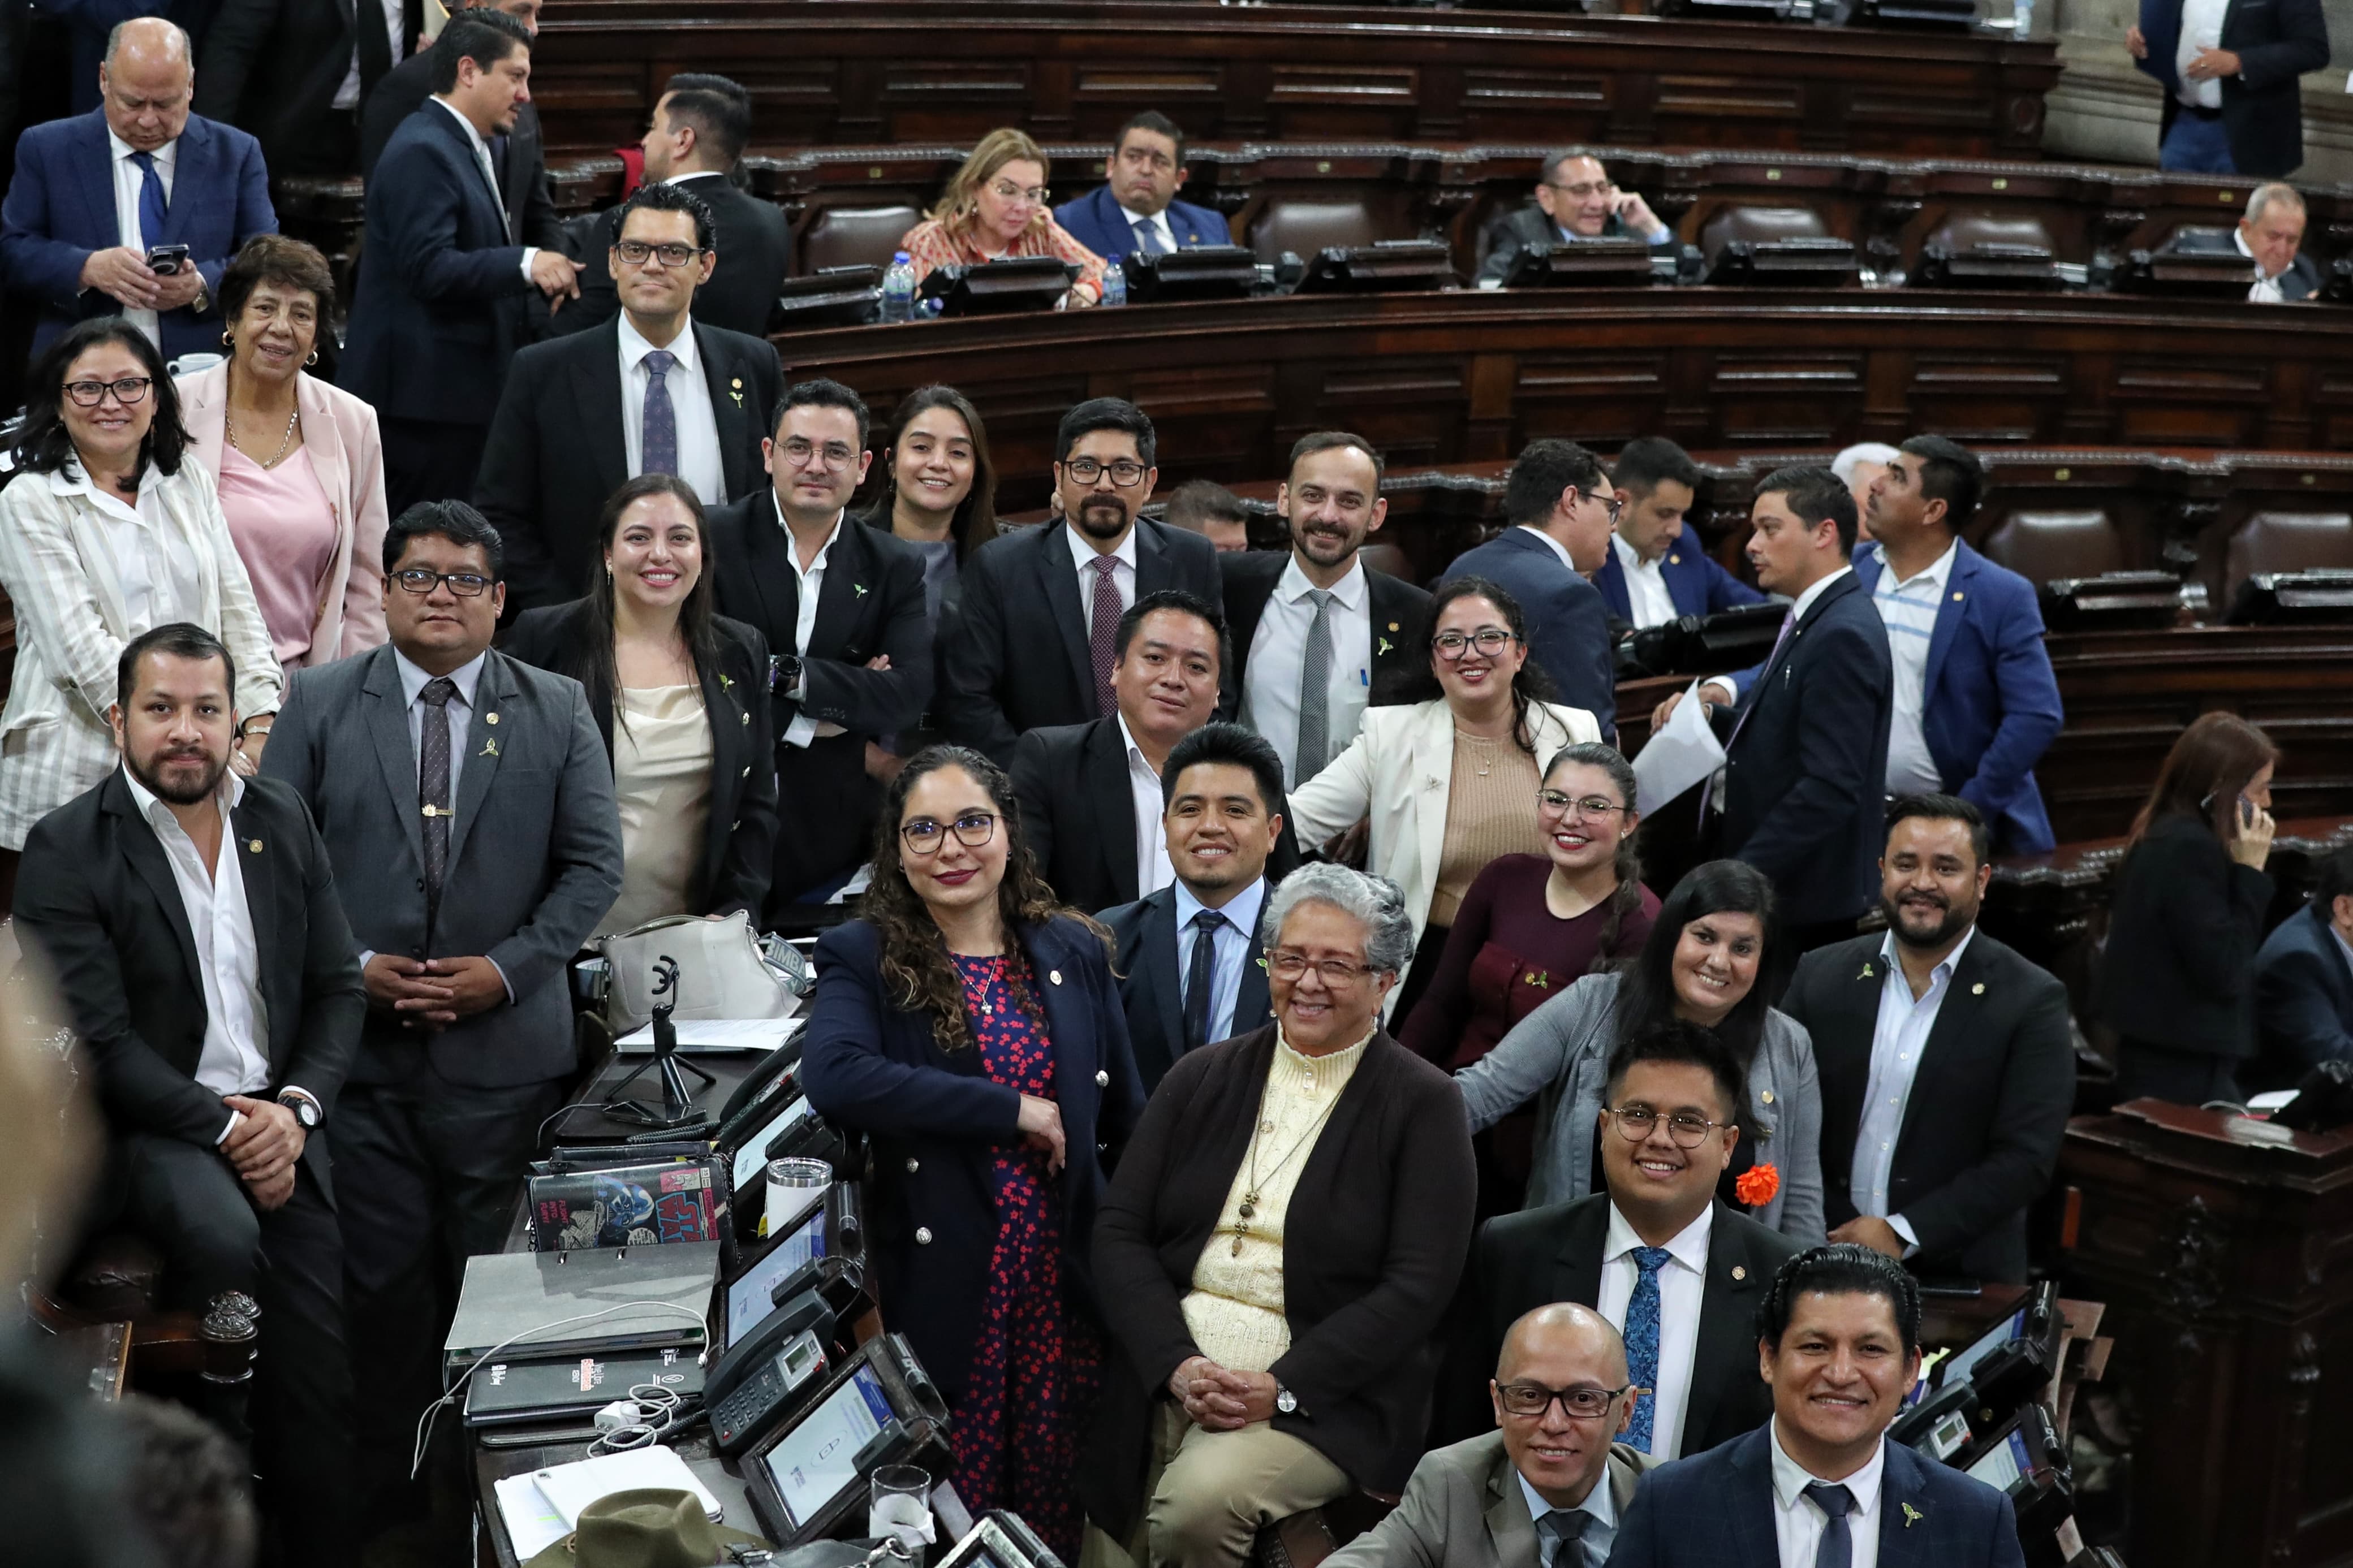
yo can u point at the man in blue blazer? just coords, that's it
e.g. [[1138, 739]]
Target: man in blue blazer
[[1653, 552], [1138, 209], [94, 194], [2304, 986], [1839, 1342], [1560, 508]]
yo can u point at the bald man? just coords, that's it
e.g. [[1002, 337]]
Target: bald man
[[1544, 1491], [97, 194]]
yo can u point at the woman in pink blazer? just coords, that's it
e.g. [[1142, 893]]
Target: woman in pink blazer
[[298, 463]]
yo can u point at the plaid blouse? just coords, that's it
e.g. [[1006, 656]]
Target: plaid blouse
[[930, 244]]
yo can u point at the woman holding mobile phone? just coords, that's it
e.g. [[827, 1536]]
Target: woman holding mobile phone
[[2188, 916]]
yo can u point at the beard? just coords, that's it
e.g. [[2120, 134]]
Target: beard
[[1102, 517], [168, 777], [1951, 921], [1324, 549]]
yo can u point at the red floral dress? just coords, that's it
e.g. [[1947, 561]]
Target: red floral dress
[[1037, 1362]]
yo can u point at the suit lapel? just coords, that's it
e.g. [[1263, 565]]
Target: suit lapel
[[1431, 778], [841, 591], [601, 406], [1900, 1545], [1511, 1532], [1104, 758], [484, 749], [253, 844], [1750, 1504], [1163, 969], [190, 173], [94, 160], [1727, 1327], [1152, 570], [1253, 1004], [1842, 1048], [1576, 1267], [146, 852], [1952, 604], [765, 542], [395, 754], [1397, 636], [1058, 579], [730, 412], [1959, 1018]]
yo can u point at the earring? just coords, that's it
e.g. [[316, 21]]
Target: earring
[[227, 342], [313, 360]]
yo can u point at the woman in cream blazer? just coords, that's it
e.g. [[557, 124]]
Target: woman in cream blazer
[[1398, 774]]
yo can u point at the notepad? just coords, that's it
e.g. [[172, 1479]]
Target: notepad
[[715, 1034], [531, 1522], [569, 1489]]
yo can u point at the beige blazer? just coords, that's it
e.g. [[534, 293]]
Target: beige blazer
[[1464, 1509], [347, 454]]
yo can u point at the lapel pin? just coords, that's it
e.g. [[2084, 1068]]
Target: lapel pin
[[1393, 626], [1538, 980], [1979, 989], [737, 383], [1385, 645], [1740, 1271], [254, 846], [490, 718], [1957, 595], [738, 397], [1674, 560], [1913, 1516], [1866, 974], [1054, 976], [858, 589], [1766, 1097], [1102, 1077], [490, 748]]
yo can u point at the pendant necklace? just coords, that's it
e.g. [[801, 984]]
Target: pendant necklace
[[1485, 760], [1248, 1210], [976, 999]]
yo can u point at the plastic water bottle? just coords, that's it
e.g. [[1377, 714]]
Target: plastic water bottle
[[899, 289], [2022, 19], [1114, 284]]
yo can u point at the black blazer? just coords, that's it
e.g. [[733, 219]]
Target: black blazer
[[1520, 1261], [1389, 1184], [96, 900], [2184, 925], [755, 246], [742, 835], [1400, 617], [2263, 107], [1015, 656], [273, 68], [1806, 776], [1530, 226], [556, 449], [2303, 1002], [1989, 1104], [1146, 957], [938, 1121], [1569, 620], [522, 175]]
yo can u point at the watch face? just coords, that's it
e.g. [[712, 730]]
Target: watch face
[[1286, 1402]]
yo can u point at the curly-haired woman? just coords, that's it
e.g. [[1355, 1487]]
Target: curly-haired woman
[[970, 1024], [997, 206]]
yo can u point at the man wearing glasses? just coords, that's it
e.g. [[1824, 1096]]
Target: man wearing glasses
[[1668, 1263], [467, 805], [1561, 509], [1038, 633], [653, 390], [1574, 201]]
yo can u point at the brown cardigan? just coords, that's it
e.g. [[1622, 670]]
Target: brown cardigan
[[1390, 1185]]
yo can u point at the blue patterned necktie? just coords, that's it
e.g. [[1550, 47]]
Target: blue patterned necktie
[[1147, 237], [1837, 1550], [1643, 1342], [1563, 1536], [151, 204], [657, 448]]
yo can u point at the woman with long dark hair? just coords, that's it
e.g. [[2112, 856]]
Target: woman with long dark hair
[[971, 1026], [1712, 957], [2189, 914], [1447, 785], [680, 693]]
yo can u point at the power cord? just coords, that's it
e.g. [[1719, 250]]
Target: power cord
[[649, 1414]]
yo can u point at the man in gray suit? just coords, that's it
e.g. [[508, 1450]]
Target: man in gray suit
[[1546, 1491], [467, 805]]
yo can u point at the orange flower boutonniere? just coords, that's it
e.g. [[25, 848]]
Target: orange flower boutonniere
[[1757, 1186]]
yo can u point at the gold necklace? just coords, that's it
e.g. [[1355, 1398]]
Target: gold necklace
[[1248, 1210], [228, 428]]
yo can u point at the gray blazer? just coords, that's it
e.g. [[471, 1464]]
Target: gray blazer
[[1462, 1510], [534, 853], [1559, 1057]]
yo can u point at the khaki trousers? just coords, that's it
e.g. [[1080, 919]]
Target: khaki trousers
[[1213, 1492]]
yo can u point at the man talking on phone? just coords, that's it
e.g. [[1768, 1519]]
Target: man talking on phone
[[1573, 201], [134, 208]]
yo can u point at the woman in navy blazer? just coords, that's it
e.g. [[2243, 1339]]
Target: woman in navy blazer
[[971, 1026]]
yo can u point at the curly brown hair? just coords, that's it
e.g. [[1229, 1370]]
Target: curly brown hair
[[916, 972]]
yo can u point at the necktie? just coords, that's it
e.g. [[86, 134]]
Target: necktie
[[151, 204], [1201, 977], [1837, 1550], [1563, 1529], [1314, 693], [1643, 1342], [433, 788], [1147, 237], [1756, 695], [1103, 631], [659, 448]]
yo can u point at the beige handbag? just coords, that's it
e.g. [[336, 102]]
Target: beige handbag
[[723, 972]]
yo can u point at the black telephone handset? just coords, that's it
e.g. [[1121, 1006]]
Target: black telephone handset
[[764, 1378], [748, 1093]]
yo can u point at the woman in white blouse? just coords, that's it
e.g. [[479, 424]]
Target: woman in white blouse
[[107, 531]]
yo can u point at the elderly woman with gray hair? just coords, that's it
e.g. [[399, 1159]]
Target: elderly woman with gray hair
[[1263, 1368]]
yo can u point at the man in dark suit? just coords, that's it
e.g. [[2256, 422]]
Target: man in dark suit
[[655, 388], [1189, 956], [294, 73], [190, 922], [1673, 1268], [842, 606], [467, 801], [2232, 100], [1653, 556], [1316, 616], [1137, 208], [1559, 509], [1840, 1346], [439, 307], [1575, 200], [1032, 645], [698, 131], [94, 196], [2303, 984], [2270, 235], [1948, 1070]]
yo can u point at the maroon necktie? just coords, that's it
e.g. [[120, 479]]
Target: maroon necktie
[[1103, 632]]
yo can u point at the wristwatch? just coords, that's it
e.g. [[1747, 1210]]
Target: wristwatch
[[305, 1109], [1285, 1401], [784, 673]]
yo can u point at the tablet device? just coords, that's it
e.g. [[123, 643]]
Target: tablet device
[[878, 1408]]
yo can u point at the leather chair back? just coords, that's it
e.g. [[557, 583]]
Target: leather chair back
[[2045, 546], [1304, 228], [2286, 541], [1759, 226], [847, 236], [1964, 232]]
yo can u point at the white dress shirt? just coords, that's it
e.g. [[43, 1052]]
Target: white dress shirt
[[690, 401], [1123, 574], [348, 95], [804, 728], [490, 174], [1279, 647], [1228, 949], [1557, 547], [413, 683], [229, 961], [1646, 585], [1798, 1521], [1159, 225], [1680, 1283], [2201, 28], [1153, 871], [1908, 610], [128, 182], [154, 566], [1897, 1042], [1600, 1530], [2265, 290]]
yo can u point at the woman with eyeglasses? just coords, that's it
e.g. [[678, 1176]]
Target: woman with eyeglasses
[[1447, 785], [1532, 926], [1713, 958], [971, 1026], [680, 693], [994, 206], [1266, 1367], [109, 530]]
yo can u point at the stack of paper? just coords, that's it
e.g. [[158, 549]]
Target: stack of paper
[[543, 1507]]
